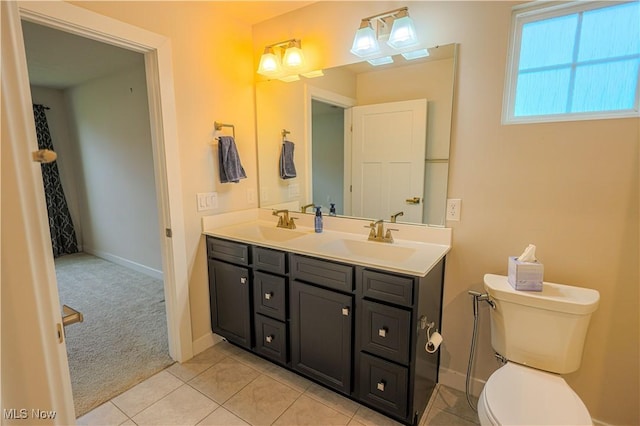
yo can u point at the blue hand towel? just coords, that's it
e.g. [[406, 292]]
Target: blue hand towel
[[229, 161], [287, 167]]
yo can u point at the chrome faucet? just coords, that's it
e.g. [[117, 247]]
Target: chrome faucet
[[284, 221], [378, 233], [304, 208], [394, 216]]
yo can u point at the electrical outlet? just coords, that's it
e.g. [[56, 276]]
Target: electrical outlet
[[453, 209]]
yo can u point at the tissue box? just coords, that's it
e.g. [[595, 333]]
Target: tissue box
[[525, 276]]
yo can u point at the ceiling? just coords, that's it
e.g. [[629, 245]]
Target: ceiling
[[60, 60]]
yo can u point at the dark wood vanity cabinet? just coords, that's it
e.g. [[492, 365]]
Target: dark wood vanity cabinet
[[395, 373], [229, 281], [322, 321], [357, 330]]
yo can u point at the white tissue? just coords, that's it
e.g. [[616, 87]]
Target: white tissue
[[529, 254], [433, 343]]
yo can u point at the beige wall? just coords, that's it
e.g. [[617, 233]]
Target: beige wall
[[570, 188], [114, 169]]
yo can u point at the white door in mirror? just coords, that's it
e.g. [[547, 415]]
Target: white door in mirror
[[387, 160]]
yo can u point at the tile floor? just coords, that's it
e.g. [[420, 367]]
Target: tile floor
[[225, 385]]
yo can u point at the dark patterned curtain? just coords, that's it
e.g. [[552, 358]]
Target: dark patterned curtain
[[63, 236]]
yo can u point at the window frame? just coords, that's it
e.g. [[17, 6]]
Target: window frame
[[538, 11]]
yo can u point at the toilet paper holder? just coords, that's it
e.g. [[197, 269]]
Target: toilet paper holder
[[424, 323]]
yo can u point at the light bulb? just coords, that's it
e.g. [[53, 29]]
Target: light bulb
[[403, 33], [269, 63], [365, 42], [293, 56]]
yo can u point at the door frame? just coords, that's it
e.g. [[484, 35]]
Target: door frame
[[312, 93], [162, 114]]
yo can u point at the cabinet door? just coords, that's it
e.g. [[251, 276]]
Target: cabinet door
[[321, 329], [230, 302]]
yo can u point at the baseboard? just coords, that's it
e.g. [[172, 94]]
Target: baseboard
[[456, 380], [154, 273], [205, 342]]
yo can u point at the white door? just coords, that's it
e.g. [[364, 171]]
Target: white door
[[388, 157], [35, 373]]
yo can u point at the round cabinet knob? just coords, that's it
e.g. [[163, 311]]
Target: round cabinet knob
[[345, 311], [268, 295], [243, 280], [382, 332], [380, 385], [269, 339]]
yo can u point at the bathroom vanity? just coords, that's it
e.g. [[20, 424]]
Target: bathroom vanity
[[330, 310]]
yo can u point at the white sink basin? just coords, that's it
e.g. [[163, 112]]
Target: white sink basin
[[370, 250], [267, 233]]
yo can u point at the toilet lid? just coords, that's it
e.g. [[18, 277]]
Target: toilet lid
[[519, 395]]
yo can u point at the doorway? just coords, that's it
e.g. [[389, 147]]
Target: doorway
[[96, 97], [327, 156]]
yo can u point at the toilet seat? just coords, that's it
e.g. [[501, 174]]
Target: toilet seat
[[519, 395]]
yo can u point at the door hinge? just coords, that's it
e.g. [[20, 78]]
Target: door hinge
[[168, 232]]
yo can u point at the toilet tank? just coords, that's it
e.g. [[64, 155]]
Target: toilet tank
[[543, 330]]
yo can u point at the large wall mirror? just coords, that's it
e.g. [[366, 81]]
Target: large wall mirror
[[372, 141]]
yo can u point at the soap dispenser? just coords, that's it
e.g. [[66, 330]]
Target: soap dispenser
[[318, 223], [332, 210]]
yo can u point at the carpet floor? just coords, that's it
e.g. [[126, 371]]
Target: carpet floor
[[123, 339]]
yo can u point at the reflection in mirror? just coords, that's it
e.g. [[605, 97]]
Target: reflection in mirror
[[373, 141]]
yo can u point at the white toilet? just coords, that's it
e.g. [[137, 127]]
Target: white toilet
[[541, 334]]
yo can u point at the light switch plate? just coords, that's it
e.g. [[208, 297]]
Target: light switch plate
[[207, 201]]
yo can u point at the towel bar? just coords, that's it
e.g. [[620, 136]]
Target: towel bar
[[218, 126]]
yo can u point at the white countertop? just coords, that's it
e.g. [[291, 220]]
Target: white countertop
[[415, 251]]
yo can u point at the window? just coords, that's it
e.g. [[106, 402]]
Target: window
[[573, 61]]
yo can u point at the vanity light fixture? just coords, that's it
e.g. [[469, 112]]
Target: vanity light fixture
[[365, 43], [269, 63], [403, 32], [293, 56], [282, 57], [395, 25]]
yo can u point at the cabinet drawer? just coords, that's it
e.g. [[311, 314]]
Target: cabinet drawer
[[271, 338], [384, 385], [269, 260], [228, 251], [322, 272], [269, 297], [386, 331], [387, 287]]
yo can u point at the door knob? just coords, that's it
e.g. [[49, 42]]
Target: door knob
[[414, 200], [70, 316]]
